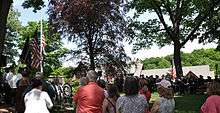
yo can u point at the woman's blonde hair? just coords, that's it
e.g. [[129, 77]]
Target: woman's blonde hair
[[165, 92], [213, 88]]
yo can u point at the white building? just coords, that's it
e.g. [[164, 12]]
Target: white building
[[203, 70]]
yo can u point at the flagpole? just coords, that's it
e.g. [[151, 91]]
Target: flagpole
[[41, 34]]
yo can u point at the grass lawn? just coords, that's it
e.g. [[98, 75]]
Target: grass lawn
[[186, 103]]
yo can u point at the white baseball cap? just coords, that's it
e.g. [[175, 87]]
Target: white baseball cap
[[165, 83]]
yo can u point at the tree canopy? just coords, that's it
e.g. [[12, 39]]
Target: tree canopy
[[177, 22], [13, 27], [4, 11], [97, 27]]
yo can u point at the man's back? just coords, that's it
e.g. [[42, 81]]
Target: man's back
[[89, 98], [211, 105]]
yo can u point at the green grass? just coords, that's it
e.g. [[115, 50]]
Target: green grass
[[186, 103]]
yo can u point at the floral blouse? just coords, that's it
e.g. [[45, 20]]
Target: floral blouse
[[131, 104]]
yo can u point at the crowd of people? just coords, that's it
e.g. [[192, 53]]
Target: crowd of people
[[94, 96], [97, 96], [126, 94], [181, 85], [25, 94]]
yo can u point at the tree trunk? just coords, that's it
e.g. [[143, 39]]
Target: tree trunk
[[92, 61], [91, 52], [177, 59], [4, 10]]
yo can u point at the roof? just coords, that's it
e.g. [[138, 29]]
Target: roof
[[191, 74], [197, 70]]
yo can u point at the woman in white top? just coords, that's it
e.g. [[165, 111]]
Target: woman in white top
[[166, 103], [37, 101]]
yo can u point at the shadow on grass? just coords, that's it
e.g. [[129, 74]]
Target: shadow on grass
[[186, 103], [189, 103]]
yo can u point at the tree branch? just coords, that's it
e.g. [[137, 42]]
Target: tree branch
[[160, 16], [177, 6], [178, 16], [167, 6], [198, 21], [180, 10], [96, 40]]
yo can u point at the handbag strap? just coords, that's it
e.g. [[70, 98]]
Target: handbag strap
[[112, 104]]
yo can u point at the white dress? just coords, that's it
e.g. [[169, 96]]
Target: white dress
[[166, 105], [37, 101]]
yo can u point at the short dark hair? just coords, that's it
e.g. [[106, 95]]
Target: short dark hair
[[25, 73], [112, 91], [143, 82], [36, 83], [131, 86], [101, 83], [213, 88]]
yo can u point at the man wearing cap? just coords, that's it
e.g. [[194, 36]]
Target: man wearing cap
[[89, 98], [166, 103]]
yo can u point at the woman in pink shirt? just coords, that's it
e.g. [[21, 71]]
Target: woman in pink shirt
[[212, 103]]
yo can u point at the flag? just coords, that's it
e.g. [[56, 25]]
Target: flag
[[42, 39], [36, 55], [25, 56], [43, 42], [173, 72]]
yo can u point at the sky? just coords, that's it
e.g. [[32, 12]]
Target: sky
[[28, 15]]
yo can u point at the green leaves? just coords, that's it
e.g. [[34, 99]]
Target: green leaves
[[181, 20], [54, 47], [202, 5], [36, 4], [156, 63], [11, 42], [13, 24], [63, 71], [142, 6], [209, 57]]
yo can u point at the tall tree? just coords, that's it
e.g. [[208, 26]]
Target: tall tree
[[4, 11], [115, 62], [96, 26], [13, 27], [54, 47], [177, 22]]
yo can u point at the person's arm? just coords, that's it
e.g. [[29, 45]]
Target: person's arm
[[118, 105], [146, 106], [155, 107], [104, 106], [49, 89], [25, 98], [48, 100], [76, 96]]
